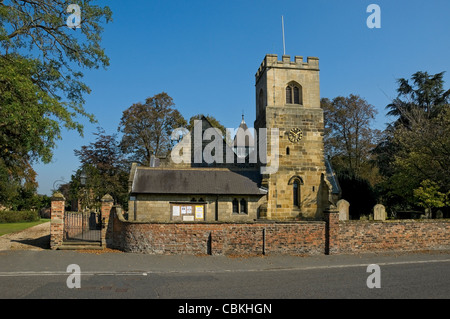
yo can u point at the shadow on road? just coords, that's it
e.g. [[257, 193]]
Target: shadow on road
[[41, 242]]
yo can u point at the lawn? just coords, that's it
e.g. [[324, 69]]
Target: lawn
[[7, 228]]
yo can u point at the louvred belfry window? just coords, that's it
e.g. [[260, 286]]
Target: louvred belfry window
[[294, 94], [288, 95]]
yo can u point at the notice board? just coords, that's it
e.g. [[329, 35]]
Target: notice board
[[187, 212]]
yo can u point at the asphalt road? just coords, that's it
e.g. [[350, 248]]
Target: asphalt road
[[44, 275]]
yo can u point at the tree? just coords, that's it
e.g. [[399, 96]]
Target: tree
[[423, 149], [416, 145], [349, 137], [41, 88], [429, 196], [28, 115], [147, 128], [426, 94], [106, 169], [214, 122], [40, 27]]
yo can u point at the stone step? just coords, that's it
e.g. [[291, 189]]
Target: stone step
[[79, 245]]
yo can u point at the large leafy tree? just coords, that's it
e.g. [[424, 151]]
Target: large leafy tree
[[424, 93], [147, 128], [416, 146], [41, 83], [349, 139], [349, 136], [106, 170]]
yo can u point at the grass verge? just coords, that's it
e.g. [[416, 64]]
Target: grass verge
[[7, 228]]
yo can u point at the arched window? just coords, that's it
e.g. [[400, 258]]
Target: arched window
[[294, 94], [288, 151], [243, 206], [296, 182], [288, 95], [296, 193], [235, 206]]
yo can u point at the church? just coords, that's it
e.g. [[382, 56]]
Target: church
[[275, 172]]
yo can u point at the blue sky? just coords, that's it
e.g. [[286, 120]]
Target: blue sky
[[205, 54]]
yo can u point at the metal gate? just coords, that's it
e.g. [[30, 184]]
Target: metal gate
[[85, 227]]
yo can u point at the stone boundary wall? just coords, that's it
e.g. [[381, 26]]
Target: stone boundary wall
[[393, 235]]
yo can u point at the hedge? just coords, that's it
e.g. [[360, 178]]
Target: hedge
[[17, 217]]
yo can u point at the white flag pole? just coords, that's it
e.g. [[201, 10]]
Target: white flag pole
[[284, 42]]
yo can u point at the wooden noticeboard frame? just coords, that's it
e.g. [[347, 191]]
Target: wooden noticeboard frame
[[187, 211]]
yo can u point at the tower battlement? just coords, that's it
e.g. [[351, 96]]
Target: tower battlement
[[271, 61]]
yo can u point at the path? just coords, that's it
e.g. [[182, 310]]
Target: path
[[34, 238]]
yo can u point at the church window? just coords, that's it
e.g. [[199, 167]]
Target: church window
[[235, 206], [288, 151], [243, 206], [294, 94], [296, 192], [288, 95], [239, 206]]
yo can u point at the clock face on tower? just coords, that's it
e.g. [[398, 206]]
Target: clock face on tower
[[295, 135]]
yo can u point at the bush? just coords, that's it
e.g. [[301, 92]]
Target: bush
[[18, 217]]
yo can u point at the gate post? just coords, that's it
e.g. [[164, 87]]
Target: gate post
[[107, 205], [57, 220]]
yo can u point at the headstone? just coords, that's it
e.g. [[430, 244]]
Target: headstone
[[343, 208], [379, 212], [428, 214], [439, 214]]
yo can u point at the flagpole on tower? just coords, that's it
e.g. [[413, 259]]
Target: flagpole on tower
[[284, 42]]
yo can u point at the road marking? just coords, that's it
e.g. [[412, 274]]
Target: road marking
[[161, 272]]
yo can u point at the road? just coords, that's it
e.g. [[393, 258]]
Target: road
[[44, 275]]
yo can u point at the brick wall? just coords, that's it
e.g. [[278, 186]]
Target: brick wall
[[290, 238], [409, 235], [297, 238]]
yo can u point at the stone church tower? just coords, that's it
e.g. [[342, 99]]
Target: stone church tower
[[288, 99]]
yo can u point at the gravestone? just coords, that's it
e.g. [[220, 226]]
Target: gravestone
[[343, 208], [379, 212], [428, 214], [439, 214]]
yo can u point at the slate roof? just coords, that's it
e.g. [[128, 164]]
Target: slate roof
[[196, 181]]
